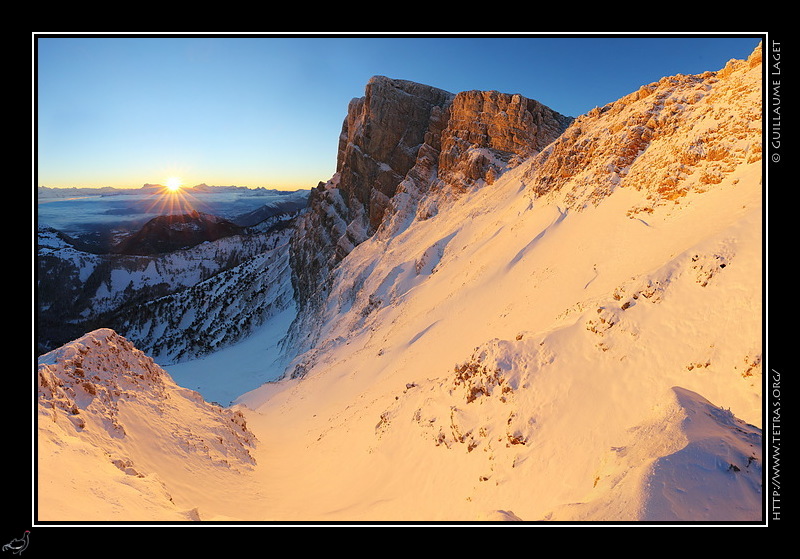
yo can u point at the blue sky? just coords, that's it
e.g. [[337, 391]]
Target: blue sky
[[267, 111]]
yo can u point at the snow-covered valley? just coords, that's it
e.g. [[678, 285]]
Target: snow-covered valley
[[579, 339]]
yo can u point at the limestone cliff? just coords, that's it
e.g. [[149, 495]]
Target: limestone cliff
[[399, 142], [379, 143], [487, 131]]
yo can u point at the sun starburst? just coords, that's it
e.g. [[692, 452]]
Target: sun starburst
[[173, 198], [174, 184]]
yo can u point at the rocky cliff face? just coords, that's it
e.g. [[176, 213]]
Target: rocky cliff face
[[379, 142], [398, 142], [487, 131]]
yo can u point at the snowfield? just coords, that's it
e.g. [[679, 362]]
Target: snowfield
[[516, 356], [587, 373]]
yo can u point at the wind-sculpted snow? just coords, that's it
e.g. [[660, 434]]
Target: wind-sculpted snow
[[678, 465], [570, 404]]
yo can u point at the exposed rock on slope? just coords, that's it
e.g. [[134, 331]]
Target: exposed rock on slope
[[681, 134], [129, 420], [488, 132]]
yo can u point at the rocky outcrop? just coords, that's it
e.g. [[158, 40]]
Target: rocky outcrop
[[681, 134], [398, 142], [489, 131]]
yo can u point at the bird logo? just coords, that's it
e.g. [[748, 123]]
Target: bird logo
[[18, 545]]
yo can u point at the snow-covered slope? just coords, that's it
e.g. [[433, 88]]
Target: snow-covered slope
[[216, 312], [579, 340], [589, 306], [515, 376], [119, 440], [79, 290]]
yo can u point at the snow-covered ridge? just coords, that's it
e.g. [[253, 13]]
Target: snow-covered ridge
[[76, 286], [107, 412], [216, 312], [682, 134], [179, 268]]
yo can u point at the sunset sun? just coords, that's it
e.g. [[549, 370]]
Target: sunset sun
[[174, 184]]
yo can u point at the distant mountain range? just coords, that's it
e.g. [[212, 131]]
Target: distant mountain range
[[68, 192]]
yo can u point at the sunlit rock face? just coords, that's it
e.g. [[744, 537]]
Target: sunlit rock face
[[379, 143], [398, 142], [681, 134], [489, 131], [380, 139]]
